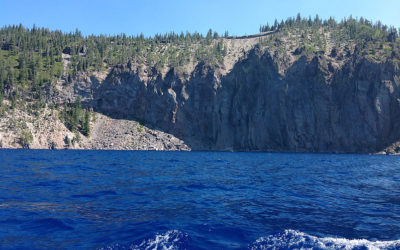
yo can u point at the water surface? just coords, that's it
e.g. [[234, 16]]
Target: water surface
[[197, 200]]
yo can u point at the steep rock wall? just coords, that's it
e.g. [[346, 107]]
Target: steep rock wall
[[263, 104]]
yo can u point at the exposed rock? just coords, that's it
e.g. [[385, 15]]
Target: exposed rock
[[67, 50], [260, 98], [83, 49], [265, 103], [107, 133], [298, 51]]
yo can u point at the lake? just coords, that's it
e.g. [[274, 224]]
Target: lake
[[197, 200]]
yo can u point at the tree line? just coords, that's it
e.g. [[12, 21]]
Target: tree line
[[360, 28]]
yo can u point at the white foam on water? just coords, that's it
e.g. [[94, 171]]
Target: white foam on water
[[170, 240], [167, 241], [289, 239], [292, 239]]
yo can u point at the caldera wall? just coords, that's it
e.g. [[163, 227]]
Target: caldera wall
[[264, 103]]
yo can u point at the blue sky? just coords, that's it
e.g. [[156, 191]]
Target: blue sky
[[133, 17]]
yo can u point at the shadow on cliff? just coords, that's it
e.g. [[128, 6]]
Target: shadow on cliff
[[310, 107]]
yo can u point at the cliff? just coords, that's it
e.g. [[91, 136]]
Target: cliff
[[335, 101], [317, 88]]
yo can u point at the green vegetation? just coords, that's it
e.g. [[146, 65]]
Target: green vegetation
[[76, 118], [31, 60], [311, 36], [350, 28], [140, 128], [26, 138]]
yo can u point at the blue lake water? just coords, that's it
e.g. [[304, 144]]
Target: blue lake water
[[197, 200]]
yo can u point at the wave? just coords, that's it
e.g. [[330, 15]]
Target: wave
[[292, 239], [289, 239], [170, 240]]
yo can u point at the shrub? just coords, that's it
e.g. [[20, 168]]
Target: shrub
[[25, 139]]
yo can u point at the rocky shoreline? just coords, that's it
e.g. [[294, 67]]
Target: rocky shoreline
[[48, 132]]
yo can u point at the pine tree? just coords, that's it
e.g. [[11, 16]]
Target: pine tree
[[276, 25], [298, 18], [86, 124], [209, 36]]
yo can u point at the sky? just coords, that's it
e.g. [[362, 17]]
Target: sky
[[132, 17]]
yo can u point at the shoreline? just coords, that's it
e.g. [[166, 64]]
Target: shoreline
[[200, 151]]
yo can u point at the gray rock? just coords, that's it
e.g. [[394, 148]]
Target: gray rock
[[265, 103]]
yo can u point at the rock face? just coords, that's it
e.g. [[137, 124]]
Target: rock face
[[332, 102]]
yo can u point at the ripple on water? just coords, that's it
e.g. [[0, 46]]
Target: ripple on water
[[47, 225], [92, 199]]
